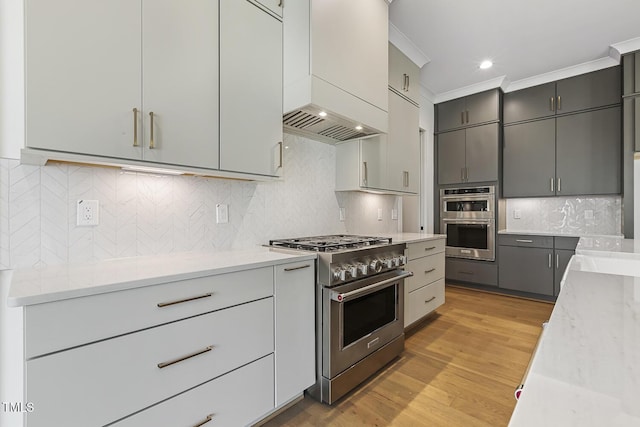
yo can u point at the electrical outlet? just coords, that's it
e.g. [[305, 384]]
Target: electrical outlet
[[87, 213], [517, 214], [394, 213], [379, 214], [222, 214]]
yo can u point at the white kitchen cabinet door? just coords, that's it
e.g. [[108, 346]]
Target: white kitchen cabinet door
[[180, 82], [83, 80], [250, 89], [295, 329], [373, 162], [403, 145], [404, 75], [349, 45]]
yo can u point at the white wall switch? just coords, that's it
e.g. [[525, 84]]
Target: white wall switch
[[394, 213], [379, 214], [343, 214], [222, 213], [517, 214], [87, 213]]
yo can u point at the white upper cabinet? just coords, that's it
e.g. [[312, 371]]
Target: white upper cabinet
[[83, 62], [250, 89], [404, 75], [404, 145], [180, 82], [336, 59], [274, 6], [196, 85]]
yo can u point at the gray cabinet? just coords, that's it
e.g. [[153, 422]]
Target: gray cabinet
[[575, 154], [533, 264], [592, 90], [631, 74], [483, 107], [469, 271], [468, 155]]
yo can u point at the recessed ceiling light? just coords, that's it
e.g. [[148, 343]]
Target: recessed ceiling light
[[322, 114], [486, 64], [358, 127]]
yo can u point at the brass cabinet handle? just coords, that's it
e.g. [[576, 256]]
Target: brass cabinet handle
[[430, 248], [366, 174], [559, 185], [431, 270], [552, 186], [281, 153], [551, 103], [549, 260], [408, 82], [297, 268], [151, 143], [467, 114], [135, 127], [181, 359], [206, 420], [559, 102], [429, 300], [461, 117], [557, 261], [405, 178], [281, 3], [165, 304]]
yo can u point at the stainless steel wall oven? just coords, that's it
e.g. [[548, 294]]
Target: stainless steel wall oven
[[467, 217]]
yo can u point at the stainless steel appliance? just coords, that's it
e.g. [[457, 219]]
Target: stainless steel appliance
[[359, 308], [467, 217]]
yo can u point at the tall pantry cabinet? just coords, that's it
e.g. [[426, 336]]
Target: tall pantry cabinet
[[140, 81]]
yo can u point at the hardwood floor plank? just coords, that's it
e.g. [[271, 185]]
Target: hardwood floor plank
[[459, 368]]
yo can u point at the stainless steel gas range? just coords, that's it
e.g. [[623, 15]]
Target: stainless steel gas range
[[359, 308]]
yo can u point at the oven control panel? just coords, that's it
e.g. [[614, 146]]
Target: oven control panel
[[364, 267]]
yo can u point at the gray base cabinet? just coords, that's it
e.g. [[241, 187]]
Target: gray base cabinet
[[533, 264], [469, 271]]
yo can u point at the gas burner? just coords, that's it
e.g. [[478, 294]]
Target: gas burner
[[331, 243]]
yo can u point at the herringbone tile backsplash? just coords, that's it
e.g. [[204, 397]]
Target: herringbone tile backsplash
[[143, 215]]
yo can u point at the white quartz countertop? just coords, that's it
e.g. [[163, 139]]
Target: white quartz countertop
[[57, 282], [411, 237], [586, 371]]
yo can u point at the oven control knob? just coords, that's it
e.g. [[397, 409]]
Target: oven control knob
[[403, 260], [363, 268], [388, 263], [376, 265], [353, 271], [396, 261], [338, 274]]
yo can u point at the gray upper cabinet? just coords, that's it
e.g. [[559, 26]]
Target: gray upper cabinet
[[528, 159], [577, 154], [483, 107], [468, 155], [631, 73], [588, 153], [530, 103], [592, 90]]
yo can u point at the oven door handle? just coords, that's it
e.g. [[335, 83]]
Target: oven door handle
[[346, 296]]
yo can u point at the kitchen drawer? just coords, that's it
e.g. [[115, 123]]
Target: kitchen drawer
[[420, 249], [105, 381], [478, 272], [68, 323], [525, 240], [423, 301], [425, 270], [234, 399]]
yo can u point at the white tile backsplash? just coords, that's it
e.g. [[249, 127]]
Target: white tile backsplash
[[143, 214], [566, 215]]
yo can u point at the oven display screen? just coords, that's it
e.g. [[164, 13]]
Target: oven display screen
[[368, 313], [472, 236], [467, 206]]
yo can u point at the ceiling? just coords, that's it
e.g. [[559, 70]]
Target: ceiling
[[529, 42]]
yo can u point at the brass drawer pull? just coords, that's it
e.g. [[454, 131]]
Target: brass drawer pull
[[429, 270], [429, 300], [181, 359], [206, 420], [165, 304], [152, 143], [297, 268], [430, 248]]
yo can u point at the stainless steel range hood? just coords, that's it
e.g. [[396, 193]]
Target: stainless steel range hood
[[335, 69]]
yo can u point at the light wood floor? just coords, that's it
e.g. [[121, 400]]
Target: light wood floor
[[459, 368]]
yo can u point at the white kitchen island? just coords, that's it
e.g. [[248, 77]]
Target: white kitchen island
[[586, 371], [176, 339]]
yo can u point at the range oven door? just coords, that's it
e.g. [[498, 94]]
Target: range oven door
[[473, 239], [359, 318]]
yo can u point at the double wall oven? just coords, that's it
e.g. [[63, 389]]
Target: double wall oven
[[467, 217], [359, 308]]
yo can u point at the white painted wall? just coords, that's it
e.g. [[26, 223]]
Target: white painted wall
[[11, 78]]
